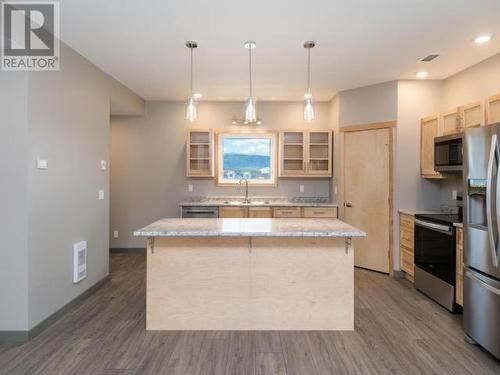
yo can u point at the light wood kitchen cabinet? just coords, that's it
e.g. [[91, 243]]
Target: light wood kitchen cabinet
[[199, 153], [320, 212], [260, 212], [459, 282], [471, 115], [493, 109], [287, 212], [233, 212], [406, 245], [305, 153], [429, 129], [450, 122]]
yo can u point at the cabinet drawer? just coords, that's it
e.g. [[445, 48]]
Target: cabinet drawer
[[328, 212], [287, 212], [406, 238], [406, 261], [407, 221]]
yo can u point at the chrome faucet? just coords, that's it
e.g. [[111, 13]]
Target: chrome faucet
[[246, 189]]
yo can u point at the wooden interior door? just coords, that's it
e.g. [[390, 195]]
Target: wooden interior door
[[367, 173]]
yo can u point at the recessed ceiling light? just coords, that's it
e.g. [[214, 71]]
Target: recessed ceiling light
[[421, 75], [483, 38]]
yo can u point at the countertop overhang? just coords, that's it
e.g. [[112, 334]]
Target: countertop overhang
[[233, 227]]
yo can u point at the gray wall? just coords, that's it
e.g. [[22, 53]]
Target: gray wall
[[13, 201], [148, 160], [68, 123]]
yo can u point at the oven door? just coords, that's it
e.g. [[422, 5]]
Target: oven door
[[435, 249]]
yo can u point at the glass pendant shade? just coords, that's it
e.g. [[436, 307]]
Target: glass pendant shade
[[308, 108], [191, 110], [250, 112]]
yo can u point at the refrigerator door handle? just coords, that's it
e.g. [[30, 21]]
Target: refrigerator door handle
[[482, 283], [491, 161]]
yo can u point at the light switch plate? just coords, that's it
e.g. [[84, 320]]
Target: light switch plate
[[190, 188], [301, 188], [454, 195], [42, 164], [101, 195], [115, 234], [104, 165]]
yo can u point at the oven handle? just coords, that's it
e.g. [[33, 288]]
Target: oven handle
[[492, 158], [442, 228]]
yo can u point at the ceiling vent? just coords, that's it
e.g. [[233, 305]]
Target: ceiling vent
[[430, 57]]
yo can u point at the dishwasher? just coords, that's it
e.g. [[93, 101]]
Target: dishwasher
[[200, 212]]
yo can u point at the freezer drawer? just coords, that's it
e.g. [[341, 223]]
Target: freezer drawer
[[482, 310]]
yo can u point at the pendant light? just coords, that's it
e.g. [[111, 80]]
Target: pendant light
[[308, 101], [192, 101], [250, 111]]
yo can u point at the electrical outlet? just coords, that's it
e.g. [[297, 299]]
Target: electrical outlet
[[190, 188], [115, 234], [301, 188], [104, 165], [336, 190], [101, 195], [42, 164], [454, 195]]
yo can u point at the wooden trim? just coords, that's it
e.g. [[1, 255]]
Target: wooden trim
[[371, 126], [341, 212]]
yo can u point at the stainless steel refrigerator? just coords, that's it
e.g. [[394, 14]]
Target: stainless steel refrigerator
[[482, 237]]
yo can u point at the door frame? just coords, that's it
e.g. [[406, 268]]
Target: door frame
[[391, 125]]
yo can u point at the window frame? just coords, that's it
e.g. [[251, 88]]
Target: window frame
[[250, 133]]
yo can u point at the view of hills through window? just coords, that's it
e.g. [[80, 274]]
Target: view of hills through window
[[248, 158]]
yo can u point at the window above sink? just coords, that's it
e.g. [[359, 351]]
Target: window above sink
[[250, 156]]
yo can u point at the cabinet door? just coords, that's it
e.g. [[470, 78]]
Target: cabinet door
[[319, 153], [493, 109], [199, 153], [429, 130], [292, 153], [450, 122], [260, 212], [472, 115], [232, 212]]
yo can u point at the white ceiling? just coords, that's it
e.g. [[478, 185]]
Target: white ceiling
[[359, 42]]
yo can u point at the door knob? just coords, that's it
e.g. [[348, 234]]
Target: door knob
[[348, 204]]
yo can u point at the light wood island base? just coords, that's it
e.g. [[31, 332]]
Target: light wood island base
[[250, 283]]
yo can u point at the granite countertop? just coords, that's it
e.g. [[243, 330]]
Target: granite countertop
[[249, 228], [258, 202]]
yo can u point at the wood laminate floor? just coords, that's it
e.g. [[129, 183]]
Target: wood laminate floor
[[398, 331]]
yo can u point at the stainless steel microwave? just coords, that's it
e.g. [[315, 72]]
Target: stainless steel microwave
[[448, 153]]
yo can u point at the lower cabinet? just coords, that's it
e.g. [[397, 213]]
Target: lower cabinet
[[277, 212], [406, 245], [260, 212], [232, 212], [459, 281]]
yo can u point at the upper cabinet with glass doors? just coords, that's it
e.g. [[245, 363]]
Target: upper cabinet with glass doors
[[305, 153]]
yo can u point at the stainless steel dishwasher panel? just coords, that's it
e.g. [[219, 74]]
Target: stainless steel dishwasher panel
[[198, 212]]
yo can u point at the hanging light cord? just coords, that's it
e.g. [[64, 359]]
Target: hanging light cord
[[250, 68], [309, 70], [191, 86]]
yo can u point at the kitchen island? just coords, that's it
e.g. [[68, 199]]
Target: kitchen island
[[250, 274]]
